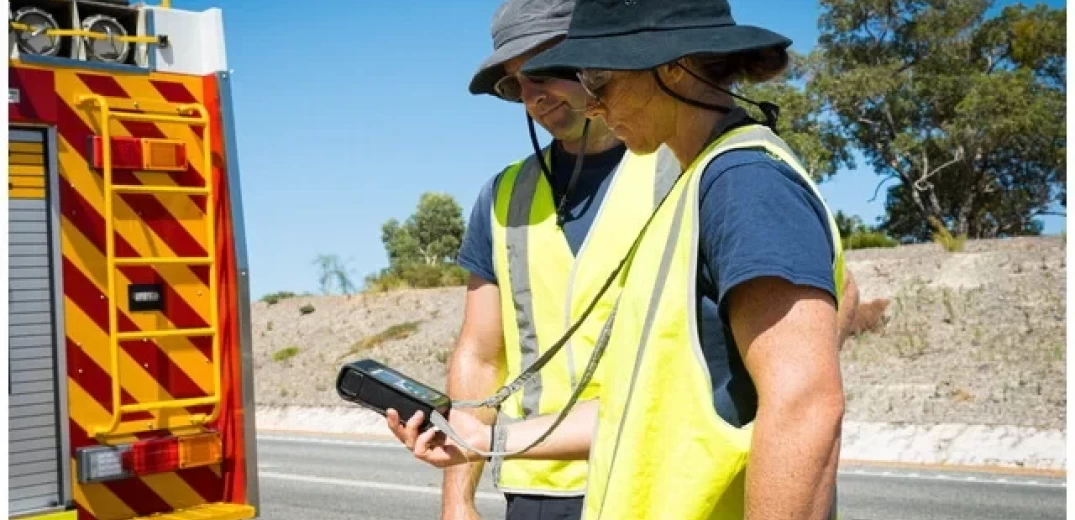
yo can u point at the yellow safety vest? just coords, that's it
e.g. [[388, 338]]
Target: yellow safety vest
[[660, 449], [544, 289]]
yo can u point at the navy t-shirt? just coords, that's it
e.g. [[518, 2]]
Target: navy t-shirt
[[476, 252], [758, 218]]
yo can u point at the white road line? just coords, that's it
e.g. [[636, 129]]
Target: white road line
[[337, 442], [882, 474], [370, 485], [951, 478]]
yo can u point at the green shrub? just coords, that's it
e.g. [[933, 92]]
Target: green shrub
[[417, 276], [273, 298], [941, 235], [285, 353], [868, 239], [307, 309], [397, 331]]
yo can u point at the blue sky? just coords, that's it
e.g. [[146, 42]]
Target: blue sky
[[348, 111]]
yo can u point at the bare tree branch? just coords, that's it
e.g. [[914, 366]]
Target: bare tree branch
[[921, 183], [878, 188], [870, 122]]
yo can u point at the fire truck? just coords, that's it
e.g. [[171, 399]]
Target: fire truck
[[130, 382]]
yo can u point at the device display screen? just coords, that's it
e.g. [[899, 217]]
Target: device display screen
[[392, 379]]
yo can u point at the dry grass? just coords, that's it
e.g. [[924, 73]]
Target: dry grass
[[397, 331]]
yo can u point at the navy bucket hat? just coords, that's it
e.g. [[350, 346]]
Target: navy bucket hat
[[519, 26], [644, 34]]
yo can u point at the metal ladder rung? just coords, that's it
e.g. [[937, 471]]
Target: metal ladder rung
[[201, 119], [172, 333], [152, 260], [175, 403], [183, 190], [147, 106]]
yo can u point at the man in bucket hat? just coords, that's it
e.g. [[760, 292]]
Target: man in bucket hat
[[543, 235]]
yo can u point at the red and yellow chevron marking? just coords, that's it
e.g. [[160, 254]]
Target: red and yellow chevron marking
[[146, 225]]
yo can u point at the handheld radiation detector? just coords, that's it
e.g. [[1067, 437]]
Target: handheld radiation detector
[[375, 386]]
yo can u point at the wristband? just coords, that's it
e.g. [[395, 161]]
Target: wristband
[[492, 438]]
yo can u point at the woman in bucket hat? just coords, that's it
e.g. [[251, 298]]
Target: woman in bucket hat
[[519, 292], [721, 395]]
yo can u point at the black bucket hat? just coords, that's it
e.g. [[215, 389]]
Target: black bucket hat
[[520, 26], [644, 34]]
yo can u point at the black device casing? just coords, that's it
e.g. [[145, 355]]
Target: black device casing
[[355, 384]]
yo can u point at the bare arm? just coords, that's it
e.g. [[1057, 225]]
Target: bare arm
[[787, 337], [570, 441], [475, 370]]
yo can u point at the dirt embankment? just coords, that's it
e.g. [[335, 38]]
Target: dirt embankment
[[976, 337]]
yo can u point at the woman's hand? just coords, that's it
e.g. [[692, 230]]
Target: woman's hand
[[436, 448]]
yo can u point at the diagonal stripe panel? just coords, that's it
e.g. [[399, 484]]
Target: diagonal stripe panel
[[101, 84], [206, 481], [96, 382], [174, 489], [178, 92], [146, 225], [173, 91]]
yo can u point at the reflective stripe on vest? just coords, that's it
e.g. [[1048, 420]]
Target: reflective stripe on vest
[[660, 449], [544, 288]]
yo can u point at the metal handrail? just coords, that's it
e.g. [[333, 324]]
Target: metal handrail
[[202, 119], [19, 26]]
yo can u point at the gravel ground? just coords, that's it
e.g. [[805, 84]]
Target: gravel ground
[[976, 337]]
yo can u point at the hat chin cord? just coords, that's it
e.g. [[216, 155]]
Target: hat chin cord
[[560, 207], [770, 110]]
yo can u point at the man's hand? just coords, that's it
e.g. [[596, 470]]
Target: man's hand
[[436, 448]]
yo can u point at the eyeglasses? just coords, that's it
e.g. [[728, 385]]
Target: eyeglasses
[[593, 80], [510, 88]]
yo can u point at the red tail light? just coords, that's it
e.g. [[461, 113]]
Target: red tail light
[[143, 154], [102, 463], [153, 456]]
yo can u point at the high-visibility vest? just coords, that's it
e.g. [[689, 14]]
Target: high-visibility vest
[[660, 449], [545, 288]]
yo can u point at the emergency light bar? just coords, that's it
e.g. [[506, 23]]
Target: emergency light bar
[[111, 49], [148, 154], [36, 40], [106, 463]]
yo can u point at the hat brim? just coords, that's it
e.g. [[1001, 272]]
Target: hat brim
[[650, 49], [492, 69]]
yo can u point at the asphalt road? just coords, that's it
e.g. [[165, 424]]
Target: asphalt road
[[309, 477]]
